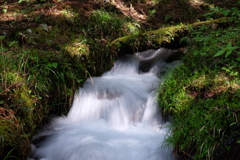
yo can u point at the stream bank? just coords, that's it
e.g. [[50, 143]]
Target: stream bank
[[49, 48]]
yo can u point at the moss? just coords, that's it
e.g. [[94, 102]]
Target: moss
[[12, 139], [165, 34], [17, 116], [77, 47], [21, 87], [161, 36]]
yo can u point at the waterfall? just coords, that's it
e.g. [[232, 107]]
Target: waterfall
[[113, 117]]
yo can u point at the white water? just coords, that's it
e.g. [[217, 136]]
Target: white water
[[113, 117]]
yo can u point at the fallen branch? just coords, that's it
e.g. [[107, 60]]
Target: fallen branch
[[161, 36]]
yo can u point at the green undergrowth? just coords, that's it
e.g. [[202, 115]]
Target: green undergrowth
[[34, 83], [203, 93], [44, 64], [48, 48]]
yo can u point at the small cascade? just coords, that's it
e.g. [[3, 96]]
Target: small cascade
[[113, 117]]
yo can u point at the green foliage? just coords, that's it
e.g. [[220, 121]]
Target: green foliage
[[28, 79], [10, 139], [204, 125], [42, 66], [202, 94], [217, 11], [152, 12], [103, 23], [40, 74], [200, 101], [227, 50], [4, 10], [132, 27], [174, 100], [220, 43]]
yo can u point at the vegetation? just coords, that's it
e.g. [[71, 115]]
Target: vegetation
[[203, 93], [43, 61], [163, 36], [49, 47]]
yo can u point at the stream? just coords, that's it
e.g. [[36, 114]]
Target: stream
[[113, 117]]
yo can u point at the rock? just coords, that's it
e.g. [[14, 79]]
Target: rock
[[176, 55]]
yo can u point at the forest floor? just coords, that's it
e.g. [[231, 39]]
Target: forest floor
[[43, 43]]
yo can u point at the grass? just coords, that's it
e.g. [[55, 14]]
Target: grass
[[34, 83], [200, 104], [203, 95], [42, 66]]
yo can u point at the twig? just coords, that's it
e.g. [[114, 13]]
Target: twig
[[9, 87]]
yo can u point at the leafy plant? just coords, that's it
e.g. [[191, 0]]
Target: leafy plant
[[215, 10], [152, 12], [227, 50], [13, 43]]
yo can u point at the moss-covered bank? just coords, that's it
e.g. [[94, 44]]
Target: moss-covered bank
[[47, 51], [203, 93]]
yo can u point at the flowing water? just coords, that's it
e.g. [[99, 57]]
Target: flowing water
[[113, 117]]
